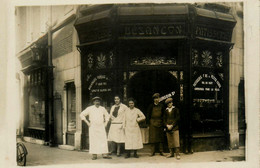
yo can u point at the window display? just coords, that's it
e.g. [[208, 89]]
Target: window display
[[71, 106], [37, 108]]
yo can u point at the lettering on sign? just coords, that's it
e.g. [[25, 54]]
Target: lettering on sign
[[167, 96], [100, 84], [206, 82], [152, 30], [213, 33]]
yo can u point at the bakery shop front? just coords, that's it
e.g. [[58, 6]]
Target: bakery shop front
[[178, 50]]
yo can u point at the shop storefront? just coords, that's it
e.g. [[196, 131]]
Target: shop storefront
[[178, 50], [34, 61]]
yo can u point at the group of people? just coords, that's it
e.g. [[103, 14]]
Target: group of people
[[125, 131]]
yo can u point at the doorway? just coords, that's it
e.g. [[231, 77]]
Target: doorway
[[144, 84]]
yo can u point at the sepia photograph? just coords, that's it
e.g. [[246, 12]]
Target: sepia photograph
[[124, 83]]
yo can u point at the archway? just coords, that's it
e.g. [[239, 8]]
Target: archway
[[145, 83]]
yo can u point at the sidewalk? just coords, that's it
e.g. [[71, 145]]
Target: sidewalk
[[45, 155]]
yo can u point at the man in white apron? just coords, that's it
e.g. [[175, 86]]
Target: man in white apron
[[98, 119]]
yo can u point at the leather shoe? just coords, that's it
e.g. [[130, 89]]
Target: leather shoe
[[178, 157], [161, 154], [169, 156], [136, 156], [107, 157]]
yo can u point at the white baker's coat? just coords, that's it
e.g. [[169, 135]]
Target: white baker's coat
[[97, 133], [133, 136]]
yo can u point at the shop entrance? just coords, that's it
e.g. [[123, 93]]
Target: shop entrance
[[144, 84]]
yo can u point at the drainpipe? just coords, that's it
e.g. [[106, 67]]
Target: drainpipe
[[50, 84]]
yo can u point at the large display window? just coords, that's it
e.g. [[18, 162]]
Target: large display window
[[37, 107], [71, 106]]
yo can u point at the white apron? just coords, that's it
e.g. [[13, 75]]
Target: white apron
[[133, 136], [116, 132], [97, 133]]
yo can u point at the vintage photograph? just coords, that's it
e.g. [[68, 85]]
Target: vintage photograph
[[130, 83]]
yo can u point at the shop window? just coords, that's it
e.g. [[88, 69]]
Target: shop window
[[207, 115], [71, 107], [37, 108]]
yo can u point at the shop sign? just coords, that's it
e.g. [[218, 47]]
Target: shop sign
[[207, 82], [213, 33], [152, 30], [97, 35], [100, 84], [167, 96]]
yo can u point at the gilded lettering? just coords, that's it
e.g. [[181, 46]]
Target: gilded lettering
[[163, 30], [171, 30], [148, 30], [155, 30], [134, 31], [127, 31], [140, 30], [179, 29]]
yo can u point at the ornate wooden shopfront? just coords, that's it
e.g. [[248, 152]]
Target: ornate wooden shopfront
[[37, 93], [178, 50]]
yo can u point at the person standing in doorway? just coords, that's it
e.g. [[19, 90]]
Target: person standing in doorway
[[171, 122], [116, 132], [133, 136], [98, 119], [155, 122]]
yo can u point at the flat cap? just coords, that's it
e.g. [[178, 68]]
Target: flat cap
[[96, 98], [156, 95], [169, 100]]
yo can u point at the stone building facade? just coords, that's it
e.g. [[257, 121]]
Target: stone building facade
[[68, 54]]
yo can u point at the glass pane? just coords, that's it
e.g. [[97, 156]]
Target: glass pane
[[71, 106], [207, 114], [37, 108]]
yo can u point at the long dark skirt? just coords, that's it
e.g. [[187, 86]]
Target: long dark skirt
[[155, 134]]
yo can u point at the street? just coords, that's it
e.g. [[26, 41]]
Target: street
[[45, 155]]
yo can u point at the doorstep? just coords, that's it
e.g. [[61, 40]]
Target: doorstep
[[66, 147], [33, 140]]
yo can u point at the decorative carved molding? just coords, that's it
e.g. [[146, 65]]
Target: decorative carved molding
[[221, 75], [101, 61], [153, 61], [181, 92], [131, 74], [219, 59], [195, 57], [90, 60], [206, 59], [181, 75], [174, 73]]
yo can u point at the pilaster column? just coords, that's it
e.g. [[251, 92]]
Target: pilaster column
[[78, 103], [236, 72]]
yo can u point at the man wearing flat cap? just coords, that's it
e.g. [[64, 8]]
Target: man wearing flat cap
[[155, 121], [171, 123], [98, 119]]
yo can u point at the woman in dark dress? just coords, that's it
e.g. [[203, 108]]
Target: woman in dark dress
[[155, 121], [171, 123]]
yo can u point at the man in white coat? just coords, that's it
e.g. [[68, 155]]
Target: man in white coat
[[98, 119]]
